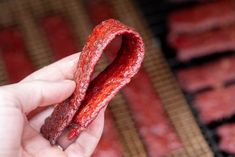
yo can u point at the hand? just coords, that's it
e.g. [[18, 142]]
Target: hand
[[50, 85]]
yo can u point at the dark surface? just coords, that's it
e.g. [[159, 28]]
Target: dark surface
[[156, 13]]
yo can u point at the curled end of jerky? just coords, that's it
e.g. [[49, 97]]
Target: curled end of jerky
[[89, 96]]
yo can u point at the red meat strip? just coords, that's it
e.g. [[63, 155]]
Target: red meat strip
[[148, 112], [203, 17], [14, 54], [78, 111], [59, 35], [216, 105], [109, 144], [202, 44], [212, 74], [227, 140]]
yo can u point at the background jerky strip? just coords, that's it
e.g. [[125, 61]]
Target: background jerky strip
[[149, 114], [202, 17], [86, 102], [59, 36], [14, 54], [227, 141], [190, 46], [212, 74], [215, 105], [109, 144]]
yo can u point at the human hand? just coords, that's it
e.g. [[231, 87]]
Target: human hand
[[21, 137]]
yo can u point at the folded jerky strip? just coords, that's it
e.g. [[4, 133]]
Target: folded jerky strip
[[86, 102]]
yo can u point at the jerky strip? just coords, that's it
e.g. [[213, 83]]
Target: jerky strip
[[216, 105], [203, 44], [86, 102], [227, 140], [203, 17], [213, 74]]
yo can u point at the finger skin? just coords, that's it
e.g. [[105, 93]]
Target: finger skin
[[29, 95], [18, 99], [41, 88], [85, 144], [60, 70]]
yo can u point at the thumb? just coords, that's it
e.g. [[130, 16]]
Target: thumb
[[29, 95], [25, 97]]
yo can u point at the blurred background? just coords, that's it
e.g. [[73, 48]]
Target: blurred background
[[180, 104]]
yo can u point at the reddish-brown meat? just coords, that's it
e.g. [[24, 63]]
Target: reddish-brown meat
[[216, 105], [109, 144], [213, 74], [86, 102], [227, 140], [149, 114], [59, 36], [14, 54], [203, 17], [202, 44], [145, 105]]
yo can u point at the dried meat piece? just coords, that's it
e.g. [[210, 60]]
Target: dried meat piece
[[90, 97], [149, 114], [189, 46], [59, 35], [213, 74], [215, 105], [203, 17], [14, 54], [109, 144], [227, 141]]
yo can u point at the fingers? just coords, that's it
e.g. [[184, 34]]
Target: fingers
[[29, 95], [60, 70], [85, 144]]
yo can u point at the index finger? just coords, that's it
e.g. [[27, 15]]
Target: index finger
[[60, 70]]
